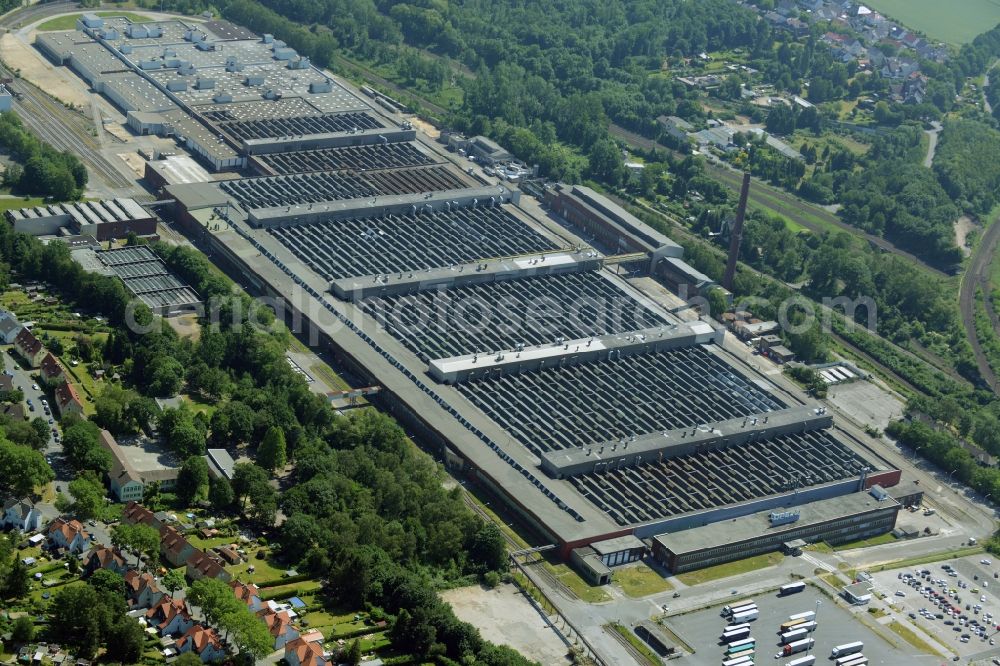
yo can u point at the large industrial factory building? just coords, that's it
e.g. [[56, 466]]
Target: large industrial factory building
[[504, 338]]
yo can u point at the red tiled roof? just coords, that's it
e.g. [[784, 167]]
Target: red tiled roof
[[201, 561], [244, 592], [308, 652], [105, 557], [200, 638], [167, 610], [137, 513], [65, 394], [68, 528], [136, 582], [277, 623], [27, 342], [50, 367]]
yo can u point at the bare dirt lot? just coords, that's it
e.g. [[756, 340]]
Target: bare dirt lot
[[59, 82], [963, 227], [504, 616]]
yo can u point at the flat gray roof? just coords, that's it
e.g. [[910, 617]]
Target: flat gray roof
[[618, 544], [758, 524]]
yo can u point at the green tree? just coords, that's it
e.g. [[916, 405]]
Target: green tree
[[18, 580], [88, 496], [215, 598], [354, 653], [125, 641], [137, 538], [22, 468], [173, 580], [220, 494], [73, 617], [192, 480], [188, 659], [247, 478], [23, 630], [272, 454]]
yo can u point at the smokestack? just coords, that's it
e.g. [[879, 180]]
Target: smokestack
[[736, 234]]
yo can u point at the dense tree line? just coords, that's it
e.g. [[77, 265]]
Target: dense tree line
[[364, 483], [39, 168], [966, 164], [368, 576]]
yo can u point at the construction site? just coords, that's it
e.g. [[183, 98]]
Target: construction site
[[504, 335]]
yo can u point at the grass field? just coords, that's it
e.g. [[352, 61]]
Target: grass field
[[640, 581], [68, 22], [730, 569], [952, 21]]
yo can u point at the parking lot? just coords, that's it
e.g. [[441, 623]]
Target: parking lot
[[835, 626], [974, 590]]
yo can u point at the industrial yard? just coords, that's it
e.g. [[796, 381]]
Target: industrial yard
[[612, 420]]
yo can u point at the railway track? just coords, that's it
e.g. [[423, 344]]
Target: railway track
[[781, 203], [67, 131], [976, 275]]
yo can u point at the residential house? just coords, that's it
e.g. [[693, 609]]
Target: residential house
[[68, 534], [127, 481], [21, 515], [135, 513], [174, 547], [141, 590], [229, 554], [13, 410], [675, 127], [299, 652], [248, 594], [101, 557], [67, 400], [203, 642], [51, 371], [170, 617], [202, 565], [279, 625], [9, 327], [29, 347]]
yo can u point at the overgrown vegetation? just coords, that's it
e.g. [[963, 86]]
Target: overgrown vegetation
[[39, 168]]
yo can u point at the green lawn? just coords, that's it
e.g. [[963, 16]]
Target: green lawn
[[264, 570], [952, 21], [20, 202], [912, 638], [640, 581], [579, 586], [68, 22], [730, 569], [865, 543]]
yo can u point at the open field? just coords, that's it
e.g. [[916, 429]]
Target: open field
[[953, 21]]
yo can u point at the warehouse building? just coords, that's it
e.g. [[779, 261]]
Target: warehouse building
[[104, 220], [839, 520], [502, 341]]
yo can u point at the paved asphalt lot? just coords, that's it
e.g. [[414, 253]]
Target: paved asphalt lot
[[968, 569], [836, 626]]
